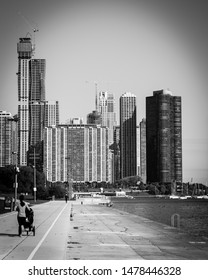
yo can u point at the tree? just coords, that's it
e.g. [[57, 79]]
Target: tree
[[7, 179], [163, 189], [141, 186], [57, 189], [26, 179], [153, 189], [130, 181]]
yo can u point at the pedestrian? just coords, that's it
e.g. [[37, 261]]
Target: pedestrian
[[66, 197], [22, 207]]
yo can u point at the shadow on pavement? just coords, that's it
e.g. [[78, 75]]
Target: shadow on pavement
[[8, 234]]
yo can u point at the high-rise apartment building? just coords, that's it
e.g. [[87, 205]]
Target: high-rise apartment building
[[138, 149], [5, 138], [76, 152], [31, 98], [116, 154], [164, 137], [24, 49], [36, 101], [128, 137], [106, 107], [143, 174], [51, 113]]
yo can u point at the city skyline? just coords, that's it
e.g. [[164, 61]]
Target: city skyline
[[122, 46]]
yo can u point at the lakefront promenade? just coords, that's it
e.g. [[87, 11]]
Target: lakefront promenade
[[84, 230]]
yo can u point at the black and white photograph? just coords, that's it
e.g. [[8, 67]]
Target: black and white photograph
[[104, 137]]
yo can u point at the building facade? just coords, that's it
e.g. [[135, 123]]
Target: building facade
[[51, 113], [143, 174], [36, 101], [76, 152], [116, 154], [128, 137], [164, 137], [5, 139], [106, 108], [94, 118], [24, 49], [138, 149], [31, 98]]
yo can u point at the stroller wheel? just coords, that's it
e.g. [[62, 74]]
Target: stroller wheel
[[33, 231]]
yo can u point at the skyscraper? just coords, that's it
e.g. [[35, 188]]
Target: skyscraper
[[116, 154], [51, 113], [24, 49], [36, 100], [76, 151], [128, 148], [138, 149], [142, 126], [5, 138], [31, 97], [106, 107], [164, 137]]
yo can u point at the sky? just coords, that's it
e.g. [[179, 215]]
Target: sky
[[135, 46]]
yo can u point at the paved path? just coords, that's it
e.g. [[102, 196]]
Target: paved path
[[95, 232], [51, 221], [100, 232]]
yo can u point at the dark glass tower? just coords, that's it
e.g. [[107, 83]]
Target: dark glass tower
[[164, 137], [128, 149], [143, 150]]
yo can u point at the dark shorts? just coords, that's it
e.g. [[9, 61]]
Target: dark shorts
[[21, 220]]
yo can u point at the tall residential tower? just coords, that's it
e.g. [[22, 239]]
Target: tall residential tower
[[24, 49], [31, 98], [51, 113], [128, 135], [5, 138], [76, 152], [164, 137], [106, 107], [36, 100]]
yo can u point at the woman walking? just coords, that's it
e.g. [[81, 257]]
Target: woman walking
[[21, 216]]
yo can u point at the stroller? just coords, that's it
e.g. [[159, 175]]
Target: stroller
[[29, 222]]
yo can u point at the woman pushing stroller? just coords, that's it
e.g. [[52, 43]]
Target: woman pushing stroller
[[22, 207]]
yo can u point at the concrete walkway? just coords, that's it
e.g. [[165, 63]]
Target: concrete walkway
[[103, 233], [81, 231]]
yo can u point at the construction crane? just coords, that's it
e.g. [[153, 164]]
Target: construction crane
[[33, 29]]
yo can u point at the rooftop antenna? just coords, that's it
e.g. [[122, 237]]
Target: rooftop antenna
[[34, 29]]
